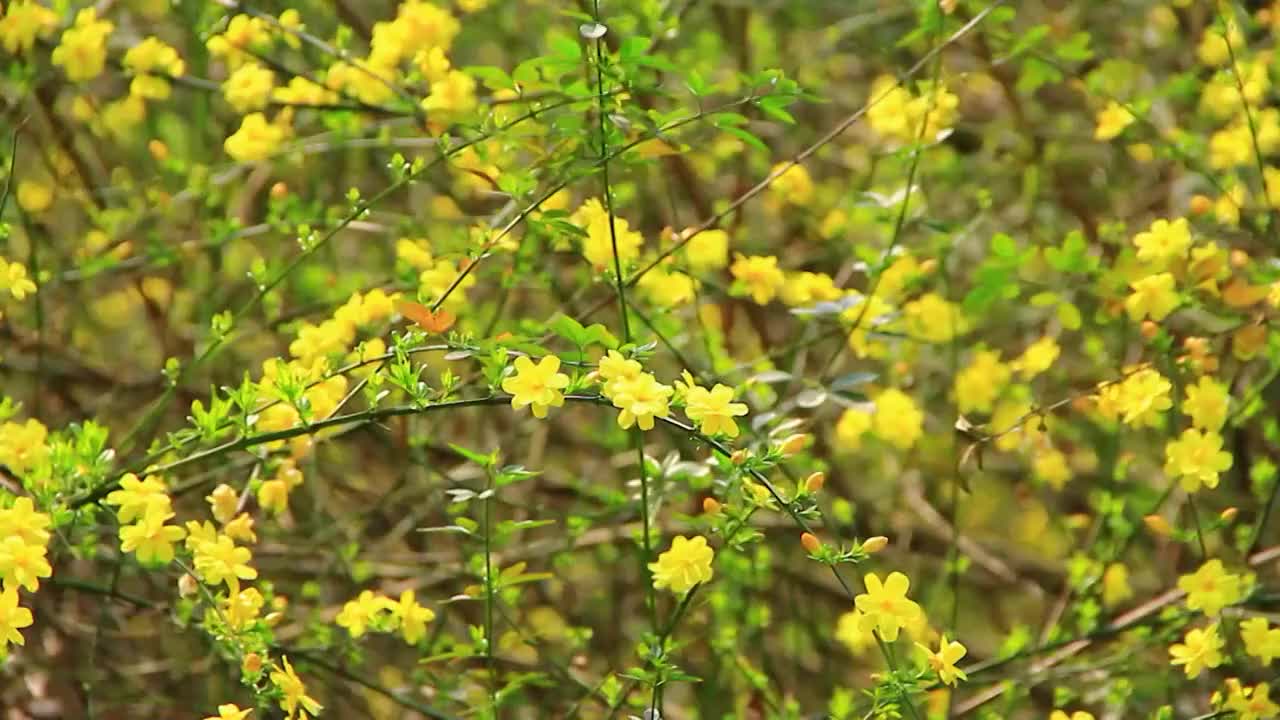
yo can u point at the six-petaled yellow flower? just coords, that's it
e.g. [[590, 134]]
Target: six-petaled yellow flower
[[685, 565], [539, 386]]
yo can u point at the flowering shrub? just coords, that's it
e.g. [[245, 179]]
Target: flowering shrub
[[686, 360]]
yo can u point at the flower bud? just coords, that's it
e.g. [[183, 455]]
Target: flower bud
[[158, 150], [874, 544], [1239, 258], [794, 444], [187, 585], [279, 191], [1229, 514], [815, 481], [1149, 329], [739, 456], [1158, 525], [252, 663], [711, 506], [810, 542], [1200, 204]]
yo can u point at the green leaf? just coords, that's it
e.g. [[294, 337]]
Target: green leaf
[[569, 329], [495, 78], [747, 138]]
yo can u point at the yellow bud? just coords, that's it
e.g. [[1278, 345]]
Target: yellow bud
[[187, 585], [874, 544], [158, 150], [279, 191], [739, 456], [1158, 525], [928, 266], [794, 444], [1229, 514], [273, 619], [1200, 204], [1149, 329], [252, 663], [815, 481], [1239, 258], [810, 542], [711, 506]]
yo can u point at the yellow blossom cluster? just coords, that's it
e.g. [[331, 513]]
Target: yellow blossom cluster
[[895, 419], [24, 546], [144, 509], [371, 611], [897, 114]]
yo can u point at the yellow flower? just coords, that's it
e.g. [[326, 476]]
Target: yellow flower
[[1051, 466], [613, 368], [1211, 588], [597, 248], [243, 33], [885, 606], [759, 276], [944, 660], [706, 251], [437, 279], [794, 184], [978, 385], [1038, 357], [1163, 241], [22, 565], [150, 539], [34, 197], [1115, 585], [853, 632], [1199, 649], [455, 94], [897, 420], [667, 289], [1260, 639], [82, 51], [273, 496], [135, 496], [1153, 296], [413, 617], [1251, 703], [1142, 397], [154, 54], [714, 409], [805, 288], [1112, 120], [852, 425], [13, 277], [358, 614], [295, 701], [1206, 404], [24, 522], [13, 617], [932, 318], [1213, 49], [685, 565], [230, 712], [23, 22], [243, 607], [1197, 457], [301, 91], [249, 87], [640, 400], [256, 139], [221, 561], [241, 528], [223, 501], [539, 386]]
